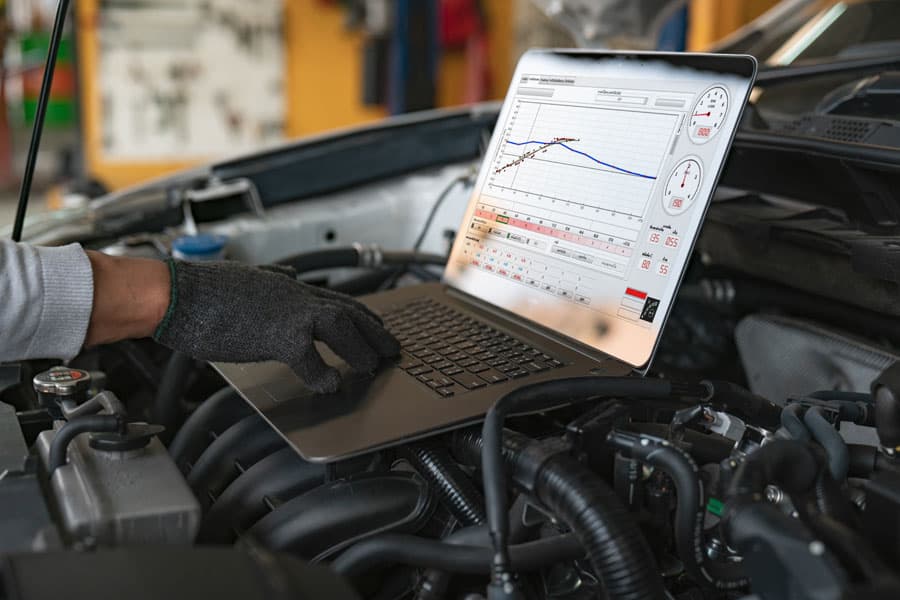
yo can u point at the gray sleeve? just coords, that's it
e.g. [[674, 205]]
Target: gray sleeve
[[46, 297]]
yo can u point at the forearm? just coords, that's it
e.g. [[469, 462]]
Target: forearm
[[46, 296], [131, 296]]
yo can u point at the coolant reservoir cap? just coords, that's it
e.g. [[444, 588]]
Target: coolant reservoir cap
[[199, 247], [62, 382]]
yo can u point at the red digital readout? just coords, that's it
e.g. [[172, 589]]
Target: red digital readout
[[636, 293]]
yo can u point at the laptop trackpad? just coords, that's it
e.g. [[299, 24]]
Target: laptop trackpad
[[307, 408]]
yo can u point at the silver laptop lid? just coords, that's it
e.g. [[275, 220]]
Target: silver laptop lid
[[594, 188]]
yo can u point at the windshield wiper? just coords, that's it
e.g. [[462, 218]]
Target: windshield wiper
[[791, 73]]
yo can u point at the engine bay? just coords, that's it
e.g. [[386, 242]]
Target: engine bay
[[757, 458]]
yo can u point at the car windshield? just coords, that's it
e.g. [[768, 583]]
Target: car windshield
[[844, 30]]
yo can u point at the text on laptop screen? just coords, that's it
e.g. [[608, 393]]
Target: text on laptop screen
[[597, 179]]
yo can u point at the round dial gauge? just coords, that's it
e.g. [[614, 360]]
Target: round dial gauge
[[682, 186], [708, 115]]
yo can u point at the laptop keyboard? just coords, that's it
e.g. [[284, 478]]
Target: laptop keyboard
[[453, 353]]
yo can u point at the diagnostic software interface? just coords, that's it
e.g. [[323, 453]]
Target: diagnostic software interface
[[598, 176]]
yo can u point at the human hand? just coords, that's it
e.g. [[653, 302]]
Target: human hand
[[232, 312]]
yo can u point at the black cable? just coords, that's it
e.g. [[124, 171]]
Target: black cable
[[426, 553], [39, 116], [436, 206], [68, 432], [542, 396]]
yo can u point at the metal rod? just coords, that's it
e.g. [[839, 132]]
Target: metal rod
[[43, 100]]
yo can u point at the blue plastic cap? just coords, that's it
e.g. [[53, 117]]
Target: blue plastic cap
[[199, 247]]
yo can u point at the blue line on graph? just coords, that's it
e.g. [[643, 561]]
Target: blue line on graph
[[585, 154]]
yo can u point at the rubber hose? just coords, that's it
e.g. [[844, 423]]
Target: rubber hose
[[427, 553], [435, 582], [454, 487], [332, 258], [842, 396], [366, 283], [542, 396], [789, 464], [219, 412], [173, 384], [800, 470], [68, 432], [830, 439], [796, 468], [240, 446], [732, 398], [417, 258], [690, 510], [279, 476], [791, 420], [617, 550]]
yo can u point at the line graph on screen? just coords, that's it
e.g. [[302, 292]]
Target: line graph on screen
[[584, 157]]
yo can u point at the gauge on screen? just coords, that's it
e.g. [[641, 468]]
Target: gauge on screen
[[708, 115], [682, 186]]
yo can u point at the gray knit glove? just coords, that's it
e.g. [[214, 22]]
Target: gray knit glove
[[232, 312]]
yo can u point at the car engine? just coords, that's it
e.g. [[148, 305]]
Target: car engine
[[785, 485], [756, 460]]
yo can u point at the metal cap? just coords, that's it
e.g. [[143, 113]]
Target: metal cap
[[62, 381]]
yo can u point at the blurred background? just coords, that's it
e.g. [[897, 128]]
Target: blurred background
[[147, 87]]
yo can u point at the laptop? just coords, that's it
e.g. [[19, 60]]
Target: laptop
[[568, 259]]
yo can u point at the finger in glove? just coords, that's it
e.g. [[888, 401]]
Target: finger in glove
[[337, 329], [303, 358], [344, 299], [375, 334]]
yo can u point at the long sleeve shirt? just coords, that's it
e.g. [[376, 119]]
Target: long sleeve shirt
[[46, 297]]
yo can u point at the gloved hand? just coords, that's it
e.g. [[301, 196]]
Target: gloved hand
[[232, 312]]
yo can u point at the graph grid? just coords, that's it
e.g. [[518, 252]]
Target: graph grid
[[602, 159]]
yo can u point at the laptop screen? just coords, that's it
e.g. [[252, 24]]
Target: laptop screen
[[596, 182]]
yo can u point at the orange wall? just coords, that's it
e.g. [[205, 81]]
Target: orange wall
[[323, 82]]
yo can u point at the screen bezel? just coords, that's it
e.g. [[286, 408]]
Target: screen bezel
[[743, 66]]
